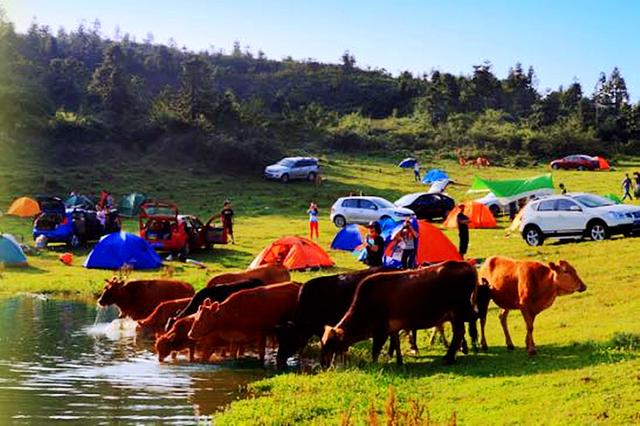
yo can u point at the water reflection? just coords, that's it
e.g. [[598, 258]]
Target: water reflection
[[57, 364]]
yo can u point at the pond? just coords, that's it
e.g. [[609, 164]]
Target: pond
[[57, 363]]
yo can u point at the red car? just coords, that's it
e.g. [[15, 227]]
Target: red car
[[168, 231], [579, 162]]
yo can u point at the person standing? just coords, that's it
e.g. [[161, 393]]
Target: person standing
[[563, 189], [374, 245], [626, 186], [408, 242], [226, 217], [416, 171], [463, 231], [636, 178], [313, 220]]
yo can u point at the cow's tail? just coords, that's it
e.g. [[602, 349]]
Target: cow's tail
[[483, 297]]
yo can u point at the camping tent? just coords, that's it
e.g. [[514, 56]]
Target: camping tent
[[81, 201], [24, 207], [515, 224], [479, 216], [349, 237], [407, 163], [10, 251], [434, 175], [433, 245], [508, 190], [130, 204], [603, 164], [613, 197], [294, 253], [120, 248]]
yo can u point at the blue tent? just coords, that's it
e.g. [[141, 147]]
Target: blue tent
[[434, 175], [121, 248], [407, 163], [349, 237], [10, 251]]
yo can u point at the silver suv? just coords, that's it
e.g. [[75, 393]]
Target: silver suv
[[365, 209], [293, 168]]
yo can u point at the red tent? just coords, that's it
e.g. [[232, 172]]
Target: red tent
[[433, 245], [602, 163], [294, 253], [479, 216]]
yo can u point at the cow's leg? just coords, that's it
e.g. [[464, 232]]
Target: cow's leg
[[413, 341], [262, 347], [504, 313], [192, 352], [483, 297], [463, 345], [395, 341], [473, 334], [438, 330], [379, 338], [456, 340], [528, 319]]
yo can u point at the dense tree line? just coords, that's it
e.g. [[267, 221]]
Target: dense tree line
[[80, 87]]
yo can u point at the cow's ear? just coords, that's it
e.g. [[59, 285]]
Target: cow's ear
[[207, 303], [553, 266], [215, 306]]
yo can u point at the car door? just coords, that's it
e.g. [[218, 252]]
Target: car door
[[571, 218], [424, 206], [350, 210], [367, 211], [298, 169], [546, 217]]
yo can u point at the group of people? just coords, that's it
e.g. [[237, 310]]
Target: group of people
[[628, 185]]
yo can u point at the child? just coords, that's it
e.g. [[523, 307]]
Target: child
[[313, 220]]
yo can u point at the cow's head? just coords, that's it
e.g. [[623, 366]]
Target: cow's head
[[566, 278], [111, 291], [164, 344], [205, 319], [332, 344]]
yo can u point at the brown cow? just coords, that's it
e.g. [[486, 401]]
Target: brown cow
[[386, 303], [138, 299], [177, 340], [268, 274], [155, 322], [248, 316], [528, 286]]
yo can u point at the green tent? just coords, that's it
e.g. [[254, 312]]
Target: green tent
[[10, 251], [130, 204], [508, 190], [613, 197]]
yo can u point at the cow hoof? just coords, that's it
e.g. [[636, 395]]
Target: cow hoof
[[484, 348], [465, 350], [475, 349], [511, 347], [449, 361], [532, 352]]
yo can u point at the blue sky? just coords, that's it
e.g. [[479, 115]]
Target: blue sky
[[562, 39]]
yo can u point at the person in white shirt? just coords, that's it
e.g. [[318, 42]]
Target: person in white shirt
[[416, 171]]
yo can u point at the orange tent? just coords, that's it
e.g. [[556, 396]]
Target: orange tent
[[479, 216], [294, 253], [24, 207], [433, 245], [602, 163]]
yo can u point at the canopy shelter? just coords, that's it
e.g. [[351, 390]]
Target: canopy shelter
[[130, 204], [508, 190], [81, 201], [24, 207], [479, 216], [118, 249], [10, 251], [432, 245], [295, 253], [613, 197], [408, 163], [434, 175], [349, 238]]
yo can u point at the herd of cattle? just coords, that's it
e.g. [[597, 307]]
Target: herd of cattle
[[245, 310]]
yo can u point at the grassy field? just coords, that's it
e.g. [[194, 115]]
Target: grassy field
[[588, 367]]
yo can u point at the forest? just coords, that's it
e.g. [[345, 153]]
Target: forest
[[80, 89]]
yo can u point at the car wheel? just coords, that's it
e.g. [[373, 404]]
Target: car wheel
[[581, 168], [598, 231], [311, 177], [555, 166], [74, 242], [339, 221], [284, 178], [533, 235]]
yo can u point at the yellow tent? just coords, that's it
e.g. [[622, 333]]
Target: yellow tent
[[515, 225], [24, 207]]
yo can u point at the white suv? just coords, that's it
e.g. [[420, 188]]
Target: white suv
[[364, 210], [577, 215]]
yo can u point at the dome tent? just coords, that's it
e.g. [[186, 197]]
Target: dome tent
[[479, 216], [295, 253], [24, 207], [433, 245], [10, 251], [115, 250], [434, 175], [130, 204], [349, 237]]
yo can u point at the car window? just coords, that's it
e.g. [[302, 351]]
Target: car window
[[286, 162], [366, 204], [427, 199], [546, 205], [590, 200], [567, 205], [405, 200], [351, 203], [382, 203]]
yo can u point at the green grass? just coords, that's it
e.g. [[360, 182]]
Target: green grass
[[587, 370]]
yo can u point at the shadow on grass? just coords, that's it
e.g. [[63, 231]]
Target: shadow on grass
[[28, 269]]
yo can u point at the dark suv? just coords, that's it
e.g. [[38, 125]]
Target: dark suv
[[427, 205]]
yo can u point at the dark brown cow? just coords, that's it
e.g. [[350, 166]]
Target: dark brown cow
[[528, 286], [387, 303], [155, 322], [268, 274], [138, 299], [248, 316]]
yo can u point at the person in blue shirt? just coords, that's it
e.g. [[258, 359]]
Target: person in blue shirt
[[313, 220]]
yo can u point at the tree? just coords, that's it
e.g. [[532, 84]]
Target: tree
[[110, 82], [196, 97], [519, 93]]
